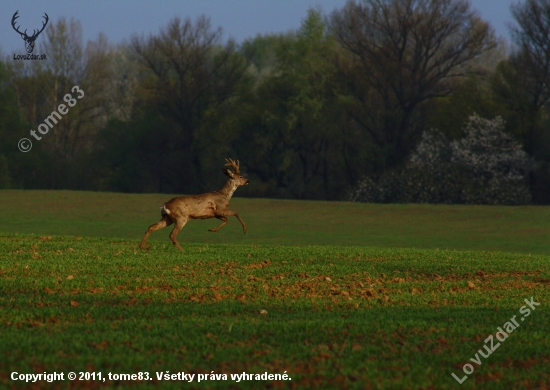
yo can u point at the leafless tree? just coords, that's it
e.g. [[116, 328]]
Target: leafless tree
[[192, 70], [525, 86], [41, 87], [407, 52], [72, 63], [532, 55], [123, 83], [523, 82]]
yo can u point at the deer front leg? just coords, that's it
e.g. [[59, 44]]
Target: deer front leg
[[219, 227], [180, 223], [229, 213], [156, 226]]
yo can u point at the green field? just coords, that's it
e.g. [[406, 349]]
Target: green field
[[523, 229], [338, 295]]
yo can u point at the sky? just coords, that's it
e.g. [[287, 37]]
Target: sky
[[239, 19]]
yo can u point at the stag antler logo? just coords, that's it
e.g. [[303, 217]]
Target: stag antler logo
[[29, 41]]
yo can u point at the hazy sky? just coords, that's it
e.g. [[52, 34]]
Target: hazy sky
[[239, 19]]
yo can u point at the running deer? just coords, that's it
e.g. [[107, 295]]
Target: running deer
[[209, 205]]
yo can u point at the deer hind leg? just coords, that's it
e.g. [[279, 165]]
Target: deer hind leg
[[221, 218], [180, 223], [229, 213], [165, 221]]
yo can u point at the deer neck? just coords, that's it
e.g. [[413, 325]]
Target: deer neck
[[228, 189]]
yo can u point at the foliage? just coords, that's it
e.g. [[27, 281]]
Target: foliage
[[187, 72], [495, 165], [5, 179], [287, 126], [406, 53], [522, 84], [17, 169], [308, 112], [487, 166]]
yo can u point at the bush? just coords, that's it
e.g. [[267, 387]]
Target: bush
[[487, 166]]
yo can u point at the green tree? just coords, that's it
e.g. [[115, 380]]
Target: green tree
[[287, 128], [18, 169]]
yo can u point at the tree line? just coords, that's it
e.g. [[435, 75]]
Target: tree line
[[342, 108]]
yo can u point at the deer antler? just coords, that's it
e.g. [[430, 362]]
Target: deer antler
[[35, 34], [233, 164], [13, 19], [24, 34]]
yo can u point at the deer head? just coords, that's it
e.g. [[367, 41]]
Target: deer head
[[234, 174], [29, 41]]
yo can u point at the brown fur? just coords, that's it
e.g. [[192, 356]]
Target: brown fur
[[209, 205]]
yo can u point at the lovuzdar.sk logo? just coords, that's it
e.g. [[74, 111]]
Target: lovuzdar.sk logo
[[29, 40]]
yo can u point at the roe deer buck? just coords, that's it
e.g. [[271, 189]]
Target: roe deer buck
[[209, 205]]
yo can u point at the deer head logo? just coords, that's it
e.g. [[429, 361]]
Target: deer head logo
[[29, 41]]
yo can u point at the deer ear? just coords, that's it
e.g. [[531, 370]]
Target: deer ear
[[227, 172]]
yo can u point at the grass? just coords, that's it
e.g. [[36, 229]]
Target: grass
[[332, 315], [523, 229]]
